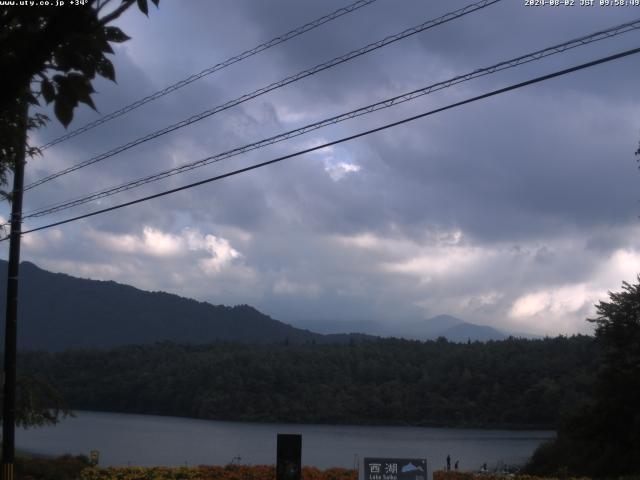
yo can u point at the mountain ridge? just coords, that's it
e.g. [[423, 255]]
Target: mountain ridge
[[448, 326], [58, 311]]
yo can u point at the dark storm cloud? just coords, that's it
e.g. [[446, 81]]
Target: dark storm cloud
[[503, 179]]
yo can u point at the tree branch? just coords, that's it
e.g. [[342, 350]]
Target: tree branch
[[117, 12], [101, 4]]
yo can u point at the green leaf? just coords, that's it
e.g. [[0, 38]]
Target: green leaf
[[114, 34], [87, 100], [37, 121], [76, 82], [106, 47], [144, 8], [84, 96], [86, 63], [72, 88], [78, 88], [105, 69], [64, 111], [47, 90], [31, 99], [61, 59]]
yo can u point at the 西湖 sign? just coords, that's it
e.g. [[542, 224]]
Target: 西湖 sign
[[395, 469]]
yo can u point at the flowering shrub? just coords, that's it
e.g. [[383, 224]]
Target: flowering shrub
[[230, 472], [65, 467], [453, 475]]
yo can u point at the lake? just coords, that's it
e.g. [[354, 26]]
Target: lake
[[146, 440]]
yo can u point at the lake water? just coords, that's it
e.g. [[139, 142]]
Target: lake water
[[147, 440]]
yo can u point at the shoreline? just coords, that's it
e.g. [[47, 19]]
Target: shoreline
[[506, 428]]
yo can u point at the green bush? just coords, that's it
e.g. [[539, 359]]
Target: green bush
[[66, 467]]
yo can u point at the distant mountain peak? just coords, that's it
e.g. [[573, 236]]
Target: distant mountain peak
[[470, 331], [444, 320], [452, 328], [445, 316], [431, 327]]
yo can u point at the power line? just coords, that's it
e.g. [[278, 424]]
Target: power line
[[344, 139], [537, 55], [273, 86], [208, 71]]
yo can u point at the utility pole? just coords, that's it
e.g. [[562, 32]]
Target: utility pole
[[11, 317]]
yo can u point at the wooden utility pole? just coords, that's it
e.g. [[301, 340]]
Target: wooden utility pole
[[11, 317]]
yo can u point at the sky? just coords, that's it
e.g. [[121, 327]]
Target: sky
[[519, 211]]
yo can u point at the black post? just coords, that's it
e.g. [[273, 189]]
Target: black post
[[289, 457], [11, 318]]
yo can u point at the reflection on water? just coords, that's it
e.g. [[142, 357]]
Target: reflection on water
[[149, 440]]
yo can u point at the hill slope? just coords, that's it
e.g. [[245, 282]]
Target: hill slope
[[58, 311]]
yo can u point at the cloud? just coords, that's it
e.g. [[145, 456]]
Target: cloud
[[555, 309], [284, 286], [338, 170], [222, 254], [563, 301], [156, 243], [151, 242], [518, 211]]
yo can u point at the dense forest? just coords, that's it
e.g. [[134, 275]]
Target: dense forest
[[513, 383], [601, 438]]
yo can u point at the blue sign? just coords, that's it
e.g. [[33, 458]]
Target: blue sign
[[395, 469]]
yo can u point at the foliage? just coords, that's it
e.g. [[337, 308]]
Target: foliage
[[37, 402], [53, 54], [548, 458], [602, 438], [66, 467], [453, 475], [511, 383], [230, 472]]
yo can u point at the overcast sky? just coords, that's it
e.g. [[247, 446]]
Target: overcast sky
[[519, 211]]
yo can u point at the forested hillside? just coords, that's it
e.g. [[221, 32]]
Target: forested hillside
[[511, 383], [58, 311]]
